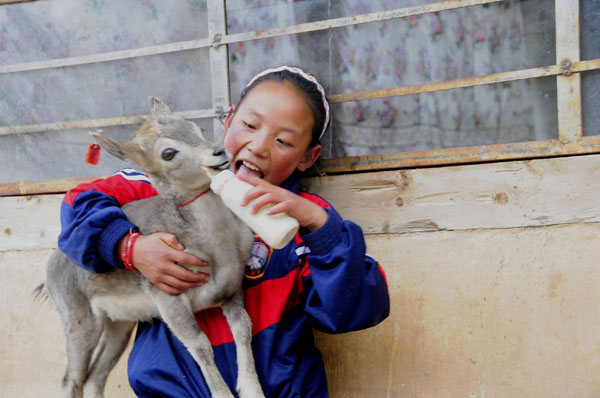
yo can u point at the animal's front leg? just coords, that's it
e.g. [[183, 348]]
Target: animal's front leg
[[177, 313], [248, 385]]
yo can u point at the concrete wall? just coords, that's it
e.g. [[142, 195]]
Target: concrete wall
[[492, 295]]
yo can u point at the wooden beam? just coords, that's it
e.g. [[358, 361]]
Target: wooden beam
[[551, 70], [219, 63], [495, 195], [486, 196], [106, 57], [427, 8], [487, 153], [95, 123], [41, 187], [568, 84], [476, 154]]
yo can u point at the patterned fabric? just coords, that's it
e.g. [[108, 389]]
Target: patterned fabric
[[416, 50]]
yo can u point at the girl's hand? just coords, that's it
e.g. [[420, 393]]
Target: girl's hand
[[309, 214], [155, 255]]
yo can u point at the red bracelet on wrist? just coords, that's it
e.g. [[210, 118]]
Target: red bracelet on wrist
[[127, 254]]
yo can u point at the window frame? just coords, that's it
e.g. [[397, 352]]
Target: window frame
[[567, 70]]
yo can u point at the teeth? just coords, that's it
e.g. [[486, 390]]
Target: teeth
[[250, 166]]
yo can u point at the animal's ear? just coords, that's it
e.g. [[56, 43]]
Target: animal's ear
[[124, 150], [158, 107]]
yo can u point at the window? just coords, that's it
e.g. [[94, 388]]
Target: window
[[411, 82]]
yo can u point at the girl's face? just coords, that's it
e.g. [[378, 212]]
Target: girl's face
[[268, 136]]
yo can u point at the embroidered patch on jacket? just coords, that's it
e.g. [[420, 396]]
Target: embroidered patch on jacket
[[259, 259]]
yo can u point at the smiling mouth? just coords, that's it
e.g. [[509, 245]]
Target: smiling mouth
[[246, 168]]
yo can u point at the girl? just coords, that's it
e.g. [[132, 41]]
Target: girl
[[323, 279]]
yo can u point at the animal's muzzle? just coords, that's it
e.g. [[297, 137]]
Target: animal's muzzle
[[221, 152]]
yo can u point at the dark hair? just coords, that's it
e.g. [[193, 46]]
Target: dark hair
[[313, 96]]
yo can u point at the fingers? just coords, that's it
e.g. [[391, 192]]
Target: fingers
[[182, 257], [185, 275], [264, 193], [173, 285], [283, 207], [157, 256], [170, 240], [173, 278]]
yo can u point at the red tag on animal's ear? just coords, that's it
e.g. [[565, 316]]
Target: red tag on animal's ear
[[93, 154]]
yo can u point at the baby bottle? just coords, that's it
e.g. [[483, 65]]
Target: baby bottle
[[276, 230]]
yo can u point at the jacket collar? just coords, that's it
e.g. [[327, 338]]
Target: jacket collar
[[293, 182]]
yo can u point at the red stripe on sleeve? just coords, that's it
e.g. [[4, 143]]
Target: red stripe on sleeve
[[383, 274], [316, 199], [124, 191], [265, 303]]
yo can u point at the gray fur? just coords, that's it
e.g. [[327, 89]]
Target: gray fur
[[99, 311]]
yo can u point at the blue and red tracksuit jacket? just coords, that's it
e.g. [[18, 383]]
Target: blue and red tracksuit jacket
[[322, 279]]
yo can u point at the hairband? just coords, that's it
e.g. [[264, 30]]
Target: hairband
[[306, 76]]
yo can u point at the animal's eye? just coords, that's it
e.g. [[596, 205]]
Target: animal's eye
[[168, 154]]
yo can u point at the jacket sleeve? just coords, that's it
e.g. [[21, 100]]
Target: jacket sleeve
[[345, 288], [92, 221]]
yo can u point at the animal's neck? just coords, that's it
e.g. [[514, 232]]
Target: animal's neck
[[187, 202], [180, 195], [192, 211]]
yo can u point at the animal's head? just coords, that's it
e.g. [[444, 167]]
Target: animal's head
[[171, 150]]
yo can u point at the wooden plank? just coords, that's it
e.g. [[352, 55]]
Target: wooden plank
[[427, 8], [29, 222], [485, 196], [526, 150], [106, 57], [448, 156], [497, 195], [449, 84], [568, 84], [219, 64], [478, 314], [220, 80], [42, 187], [32, 340], [95, 123]]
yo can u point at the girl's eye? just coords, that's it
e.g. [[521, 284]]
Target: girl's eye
[[284, 143], [168, 154], [248, 125]]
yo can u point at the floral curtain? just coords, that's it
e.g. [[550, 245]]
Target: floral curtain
[[449, 45]]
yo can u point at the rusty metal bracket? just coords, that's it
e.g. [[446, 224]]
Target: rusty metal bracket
[[220, 112], [565, 66], [217, 40]]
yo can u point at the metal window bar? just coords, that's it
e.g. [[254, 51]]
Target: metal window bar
[[567, 70], [215, 40], [551, 70]]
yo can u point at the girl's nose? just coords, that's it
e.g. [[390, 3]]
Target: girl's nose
[[259, 144]]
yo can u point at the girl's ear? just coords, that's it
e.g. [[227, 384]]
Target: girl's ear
[[229, 118], [310, 157]]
